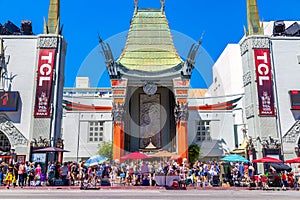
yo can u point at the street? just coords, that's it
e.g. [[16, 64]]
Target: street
[[147, 194]]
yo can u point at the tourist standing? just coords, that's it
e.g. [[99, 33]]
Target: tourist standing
[[9, 175], [22, 174], [64, 173]]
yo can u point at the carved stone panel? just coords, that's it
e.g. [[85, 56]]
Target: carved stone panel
[[260, 43], [247, 78], [293, 134], [14, 135], [249, 110], [244, 47], [181, 112], [48, 42], [118, 112]]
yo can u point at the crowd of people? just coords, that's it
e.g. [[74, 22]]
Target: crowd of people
[[146, 173]]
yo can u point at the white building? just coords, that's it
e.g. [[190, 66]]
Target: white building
[[84, 127], [231, 76], [32, 77]]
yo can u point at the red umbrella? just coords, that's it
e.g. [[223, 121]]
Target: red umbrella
[[294, 160], [135, 156], [267, 160]]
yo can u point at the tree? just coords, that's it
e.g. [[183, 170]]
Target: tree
[[194, 153], [105, 149]]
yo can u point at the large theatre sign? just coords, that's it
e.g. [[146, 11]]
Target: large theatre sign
[[44, 83], [264, 82]]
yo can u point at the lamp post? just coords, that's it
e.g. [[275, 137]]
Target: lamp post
[[297, 150], [13, 155], [241, 122], [78, 136]]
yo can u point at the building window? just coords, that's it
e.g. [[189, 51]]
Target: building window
[[203, 130], [95, 131]]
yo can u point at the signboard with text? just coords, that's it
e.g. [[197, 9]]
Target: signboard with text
[[295, 99], [9, 101], [264, 82], [44, 83]]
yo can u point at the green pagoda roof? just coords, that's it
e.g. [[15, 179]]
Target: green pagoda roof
[[149, 46]]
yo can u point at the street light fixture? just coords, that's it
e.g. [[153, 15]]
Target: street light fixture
[[297, 149], [13, 155]]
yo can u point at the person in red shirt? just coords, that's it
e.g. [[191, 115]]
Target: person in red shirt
[[284, 180]]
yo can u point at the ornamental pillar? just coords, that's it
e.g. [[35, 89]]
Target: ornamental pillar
[[118, 134], [181, 117], [180, 88], [119, 92]]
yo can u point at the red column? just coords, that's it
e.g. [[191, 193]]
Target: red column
[[183, 139], [118, 140]]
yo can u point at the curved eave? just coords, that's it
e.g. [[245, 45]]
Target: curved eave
[[175, 71], [228, 105], [72, 106]]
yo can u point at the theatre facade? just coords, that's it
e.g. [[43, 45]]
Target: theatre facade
[[150, 101], [251, 108]]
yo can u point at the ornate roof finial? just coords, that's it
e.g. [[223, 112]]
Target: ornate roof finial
[[136, 4], [53, 26], [253, 22], [162, 5]]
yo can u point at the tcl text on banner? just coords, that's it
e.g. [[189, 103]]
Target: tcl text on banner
[[264, 82], [44, 83]]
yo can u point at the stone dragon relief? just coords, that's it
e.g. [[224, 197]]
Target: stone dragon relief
[[118, 112], [15, 137], [181, 112]]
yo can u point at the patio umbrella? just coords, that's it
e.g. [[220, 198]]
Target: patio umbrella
[[162, 154], [294, 160], [95, 160], [50, 149], [135, 156], [281, 167], [234, 158], [267, 159]]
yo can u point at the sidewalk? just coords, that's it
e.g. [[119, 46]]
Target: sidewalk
[[122, 188]]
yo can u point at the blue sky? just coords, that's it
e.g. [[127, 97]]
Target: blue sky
[[221, 21]]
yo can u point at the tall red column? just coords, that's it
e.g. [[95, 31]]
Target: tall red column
[[182, 128], [181, 116], [118, 135], [118, 140]]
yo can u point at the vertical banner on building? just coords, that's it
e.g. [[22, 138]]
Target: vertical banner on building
[[264, 82], [44, 83]]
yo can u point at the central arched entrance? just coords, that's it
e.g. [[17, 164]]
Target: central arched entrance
[[4, 143], [150, 118]]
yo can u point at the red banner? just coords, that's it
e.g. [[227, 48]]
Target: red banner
[[44, 83], [264, 82]]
